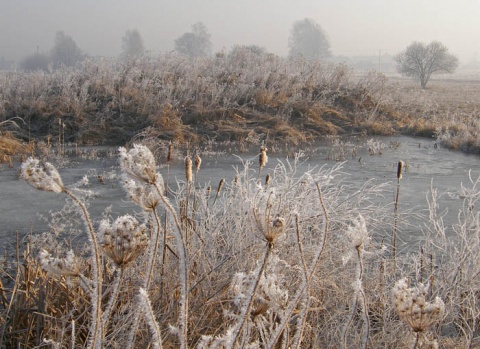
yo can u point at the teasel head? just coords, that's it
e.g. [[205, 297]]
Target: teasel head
[[399, 170], [188, 169], [138, 163], [198, 162], [70, 265], [42, 175], [124, 240]]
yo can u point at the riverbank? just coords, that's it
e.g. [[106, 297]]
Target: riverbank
[[243, 98]]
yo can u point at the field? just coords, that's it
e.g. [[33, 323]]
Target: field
[[274, 258]]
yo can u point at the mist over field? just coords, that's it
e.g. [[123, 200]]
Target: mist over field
[[370, 28]]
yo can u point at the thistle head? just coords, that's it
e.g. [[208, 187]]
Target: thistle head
[[124, 240], [42, 175], [138, 163]]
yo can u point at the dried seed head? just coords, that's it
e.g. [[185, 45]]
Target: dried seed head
[[70, 265], [198, 162], [42, 176], [138, 163], [399, 170], [220, 185], [188, 169], [412, 307], [267, 179], [170, 150], [124, 240], [143, 194], [263, 158], [275, 230]]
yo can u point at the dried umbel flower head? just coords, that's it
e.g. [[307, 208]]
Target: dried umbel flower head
[[70, 265], [275, 230], [124, 240], [188, 169], [412, 307], [42, 175], [143, 194], [138, 163], [358, 233]]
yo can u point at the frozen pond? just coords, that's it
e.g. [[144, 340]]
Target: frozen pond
[[425, 165]]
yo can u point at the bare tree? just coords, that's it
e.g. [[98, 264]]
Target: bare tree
[[308, 39], [420, 61], [132, 44], [65, 51], [196, 43]]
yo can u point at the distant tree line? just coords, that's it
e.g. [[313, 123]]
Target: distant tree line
[[307, 40]]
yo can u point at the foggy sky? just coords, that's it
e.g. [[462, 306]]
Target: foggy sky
[[354, 27]]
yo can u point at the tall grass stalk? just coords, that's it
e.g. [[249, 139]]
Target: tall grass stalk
[[395, 217]]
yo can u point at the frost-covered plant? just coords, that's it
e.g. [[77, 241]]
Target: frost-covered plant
[[70, 265], [414, 310], [46, 177], [124, 240]]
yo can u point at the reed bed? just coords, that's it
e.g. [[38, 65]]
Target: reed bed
[[297, 262]]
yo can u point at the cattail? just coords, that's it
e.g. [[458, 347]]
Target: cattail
[[170, 150], [267, 179], [124, 240], [198, 162], [399, 170], [42, 176], [220, 185], [188, 169], [138, 163], [263, 158]]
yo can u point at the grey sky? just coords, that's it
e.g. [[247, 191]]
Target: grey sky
[[354, 27]]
